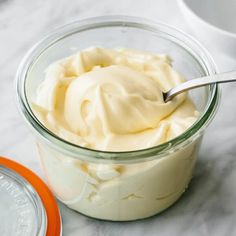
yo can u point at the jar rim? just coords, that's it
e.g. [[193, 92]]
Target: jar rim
[[105, 21]]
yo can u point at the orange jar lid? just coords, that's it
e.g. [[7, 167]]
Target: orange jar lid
[[27, 206]]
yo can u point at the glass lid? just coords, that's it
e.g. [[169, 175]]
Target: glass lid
[[27, 207], [21, 210]]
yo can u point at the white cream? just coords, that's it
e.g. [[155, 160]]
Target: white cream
[[111, 99], [122, 191]]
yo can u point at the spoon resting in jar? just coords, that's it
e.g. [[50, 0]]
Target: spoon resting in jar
[[199, 82]]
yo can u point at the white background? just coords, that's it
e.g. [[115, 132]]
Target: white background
[[209, 205]]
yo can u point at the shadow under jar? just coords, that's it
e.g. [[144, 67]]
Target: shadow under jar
[[118, 186]]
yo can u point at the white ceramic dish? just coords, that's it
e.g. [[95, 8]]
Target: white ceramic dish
[[213, 22]]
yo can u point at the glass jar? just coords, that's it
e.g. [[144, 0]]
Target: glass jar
[[118, 186]]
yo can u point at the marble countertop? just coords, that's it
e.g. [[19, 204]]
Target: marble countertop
[[209, 205]]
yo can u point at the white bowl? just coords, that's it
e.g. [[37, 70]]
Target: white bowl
[[213, 22]]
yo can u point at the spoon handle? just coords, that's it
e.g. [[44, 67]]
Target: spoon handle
[[199, 82]]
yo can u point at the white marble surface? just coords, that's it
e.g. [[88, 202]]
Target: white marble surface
[[209, 205]]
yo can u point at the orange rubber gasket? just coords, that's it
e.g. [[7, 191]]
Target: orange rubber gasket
[[48, 200]]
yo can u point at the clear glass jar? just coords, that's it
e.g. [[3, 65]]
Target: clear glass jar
[[118, 186]]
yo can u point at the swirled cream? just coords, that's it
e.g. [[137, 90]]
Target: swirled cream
[[111, 99]]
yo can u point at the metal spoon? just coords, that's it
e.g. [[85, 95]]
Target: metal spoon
[[200, 82]]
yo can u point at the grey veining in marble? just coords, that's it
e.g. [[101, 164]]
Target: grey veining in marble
[[209, 205]]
